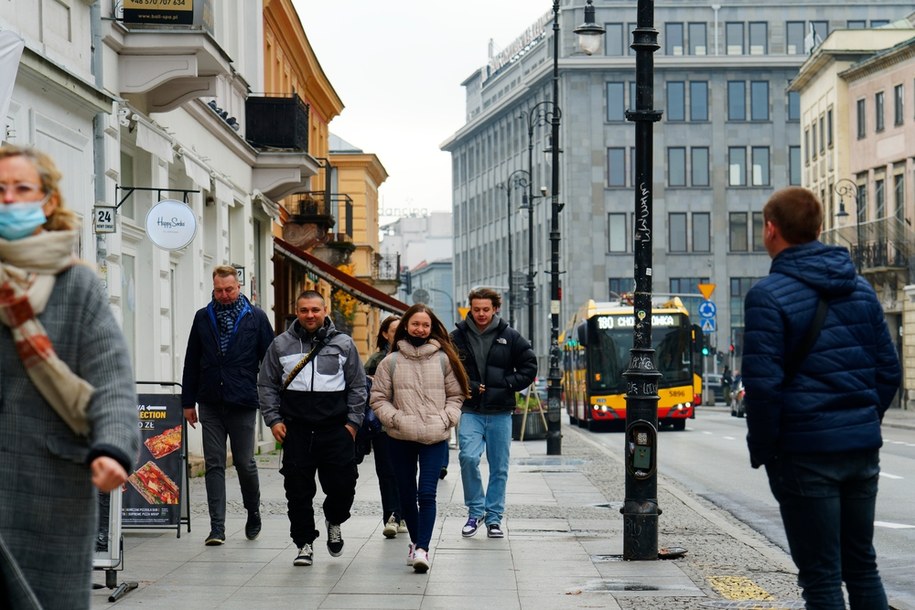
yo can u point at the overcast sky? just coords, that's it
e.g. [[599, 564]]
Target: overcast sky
[[398, 67]]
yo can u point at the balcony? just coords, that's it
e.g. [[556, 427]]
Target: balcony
[[162, 66], [878, 247], [277, 122]]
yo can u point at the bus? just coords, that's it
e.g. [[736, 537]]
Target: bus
[[595, 347]]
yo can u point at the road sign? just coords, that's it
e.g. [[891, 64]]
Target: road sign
[[708, 325], [707, 309], [707, 290]]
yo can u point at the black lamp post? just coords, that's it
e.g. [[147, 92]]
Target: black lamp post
[[518, 178], [842, 188], [640, 507]]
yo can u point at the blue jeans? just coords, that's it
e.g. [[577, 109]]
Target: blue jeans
[[494, 433], [220, 421], [827, 502], [417, 501]]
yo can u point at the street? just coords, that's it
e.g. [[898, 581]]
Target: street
[[710, 460]]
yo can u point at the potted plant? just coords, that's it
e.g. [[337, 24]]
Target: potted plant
[[531, 406]]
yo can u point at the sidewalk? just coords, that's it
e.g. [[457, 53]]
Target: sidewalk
[[563, 549]]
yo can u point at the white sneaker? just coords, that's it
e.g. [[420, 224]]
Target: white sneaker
[[390, 527], [402, 527], [305, 556], [410, 554], [421, 561]]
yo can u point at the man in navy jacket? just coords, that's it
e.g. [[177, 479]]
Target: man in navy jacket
[[815, 424], [228, 339]]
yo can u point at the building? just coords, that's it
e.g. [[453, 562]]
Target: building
[[730, 135], [858, 148]]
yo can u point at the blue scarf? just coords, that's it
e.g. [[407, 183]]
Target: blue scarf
[[226, 315]]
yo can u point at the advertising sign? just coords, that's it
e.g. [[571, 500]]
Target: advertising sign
[[163, 12], [171, 224], [152, 495]]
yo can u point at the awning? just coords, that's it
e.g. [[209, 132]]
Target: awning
[[345, 282]]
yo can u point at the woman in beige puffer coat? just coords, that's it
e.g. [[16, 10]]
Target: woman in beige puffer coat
[[417, 393]]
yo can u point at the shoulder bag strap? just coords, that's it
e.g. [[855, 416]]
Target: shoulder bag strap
[[301, 363], [793, 362]]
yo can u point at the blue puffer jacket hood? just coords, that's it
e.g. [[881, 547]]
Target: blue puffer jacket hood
[[849, 377]]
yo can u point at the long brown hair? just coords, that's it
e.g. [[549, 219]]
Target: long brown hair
[[440, 334], [381, 341]]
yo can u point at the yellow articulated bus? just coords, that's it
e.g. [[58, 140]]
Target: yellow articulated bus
[[596, 344]]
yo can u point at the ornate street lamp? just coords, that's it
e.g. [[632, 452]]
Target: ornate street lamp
[[518, 178], [842, 188]]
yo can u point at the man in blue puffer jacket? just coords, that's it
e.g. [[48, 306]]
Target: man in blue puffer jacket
[[816, 428]]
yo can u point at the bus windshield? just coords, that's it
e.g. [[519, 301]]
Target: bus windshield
[[610, 340]]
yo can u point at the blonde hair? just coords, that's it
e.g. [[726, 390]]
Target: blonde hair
[[225, 271], [62, 218]]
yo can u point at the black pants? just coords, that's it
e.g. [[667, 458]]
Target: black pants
[[387, 480], [330, 453]]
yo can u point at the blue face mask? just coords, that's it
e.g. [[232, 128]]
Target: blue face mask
[[18, 220]]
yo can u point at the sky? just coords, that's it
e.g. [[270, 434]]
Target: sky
[[398, 71]]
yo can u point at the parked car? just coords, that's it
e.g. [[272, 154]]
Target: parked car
[[712, 389], [738, 408]]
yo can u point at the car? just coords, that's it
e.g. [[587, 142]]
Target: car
[[738, 408], [712, 389]]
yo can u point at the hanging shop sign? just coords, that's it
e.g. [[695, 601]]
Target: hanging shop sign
[[171, 224], [161, 12]]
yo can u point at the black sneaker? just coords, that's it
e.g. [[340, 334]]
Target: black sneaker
[[215, 538], [494, 530], [442, 473], [253, 526], [304, 557], [334, 539]]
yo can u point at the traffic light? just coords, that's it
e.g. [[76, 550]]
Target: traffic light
[[705, 351], [698, 339], [406, 281], [731, 349]]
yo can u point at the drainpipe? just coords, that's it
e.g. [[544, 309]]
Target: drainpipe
[[98, 134]]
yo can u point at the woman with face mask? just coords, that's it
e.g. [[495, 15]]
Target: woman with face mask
[[68, 418], [417, 394]]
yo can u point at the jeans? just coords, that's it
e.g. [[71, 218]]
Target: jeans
[[220, 421], [329, 452], [494, 433], [387, 480], [417, 501], [827, 503]]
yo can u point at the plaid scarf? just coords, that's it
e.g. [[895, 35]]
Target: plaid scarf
[[28, 268], [226, 315]]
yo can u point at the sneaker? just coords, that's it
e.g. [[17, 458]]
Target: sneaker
[[494, 530], [470, 528], [402, 527], [215, 538], [442, 473], [305, 556], [390, 527], [421, 561], [410, 554], [253, 525], [334, 539]]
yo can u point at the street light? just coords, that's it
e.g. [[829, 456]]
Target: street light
[[518, 178], [640, 507], [842, 188]]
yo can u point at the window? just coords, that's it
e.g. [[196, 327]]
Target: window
[[794, 35], [737, 100], [632, 163], [862, 118], [688, 286], [616, 167], [699, 165], [740, 286], [898, 102], [759, 101], [829, 139], [698, 101], [616, 232], [822, 135], [697, 39], [676, 102], [632, 95], [760, 155], [794, 106], [616, 103], [813, 140], [794, 165], [856, 24], [878, 111], [733, 36], [862, 203], [818, 32], [676, 166], [737, 232], [614, 39], [807, 147], [673, 38], [759, 38], [737, 166], [702, 232], [879, 23], [758, 224], [879, 199], [619, 285], [899, 195], [676, 227]]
